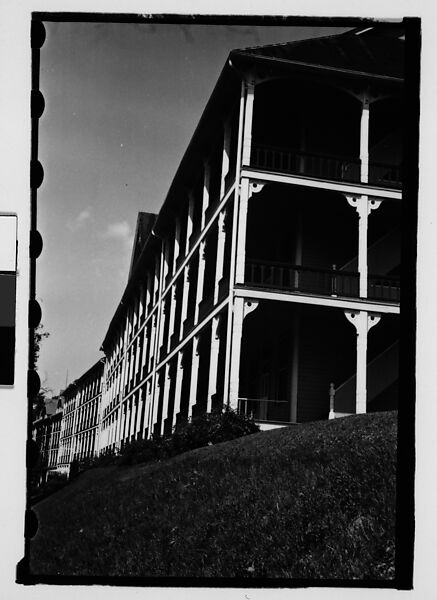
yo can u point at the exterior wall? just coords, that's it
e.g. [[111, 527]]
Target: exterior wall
[[80, 424]]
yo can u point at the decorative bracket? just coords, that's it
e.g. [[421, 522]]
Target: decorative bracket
[[354, 201], [255, 187], [372, 319], [249, 306]]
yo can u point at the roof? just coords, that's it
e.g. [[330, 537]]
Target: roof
[[374, 51], [145, 222]]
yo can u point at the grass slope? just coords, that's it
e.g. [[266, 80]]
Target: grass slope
[[312, 501]]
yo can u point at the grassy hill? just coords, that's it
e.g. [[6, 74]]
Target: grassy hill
[[310, 501]]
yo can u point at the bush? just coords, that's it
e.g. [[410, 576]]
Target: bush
[[207, 429]]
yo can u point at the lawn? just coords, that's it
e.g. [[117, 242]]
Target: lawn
[[308, 501]]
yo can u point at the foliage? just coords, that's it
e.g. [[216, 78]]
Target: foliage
[[38, 336], [204, 430], [310, 501]]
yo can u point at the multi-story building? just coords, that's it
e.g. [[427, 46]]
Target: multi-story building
[[269, 280], [80, 423]]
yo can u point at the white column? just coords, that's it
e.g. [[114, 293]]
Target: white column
[[157, 393], [206, 186], [363, 322], [172, 315], [178, 387], [248, 114], [364, 139], [190, 220], [226, 155], [236, 337], [185, 291], [194, 375], [200, 278], [220, 254], [148, 416], [241, 236], [361, 204], [213, 361], [167, 382], [177, 248]]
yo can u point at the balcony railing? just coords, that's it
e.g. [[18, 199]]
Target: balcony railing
[[326, 282], [263, 409], [322, 166]]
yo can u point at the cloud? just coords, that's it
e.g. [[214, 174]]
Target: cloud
[[120, 231], [84, 216]]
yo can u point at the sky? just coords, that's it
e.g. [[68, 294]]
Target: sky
[[121, 104]]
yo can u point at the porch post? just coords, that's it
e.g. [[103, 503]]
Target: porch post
[[220, 254], [167, 382], [248, 115], [213, 363], [364, 139], [206, 186], [241, 231], [184, 300], [178, 387], [194, 375], [190, 220], [226, 155], [200, 278], [363, 322], [172, 316], [236, 336]]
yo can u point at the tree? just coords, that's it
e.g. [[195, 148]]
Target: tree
[[38, 403]]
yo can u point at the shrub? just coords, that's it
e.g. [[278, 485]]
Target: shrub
[[203, 430]]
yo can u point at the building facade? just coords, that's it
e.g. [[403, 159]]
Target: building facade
[[269, 281], [80, 422]]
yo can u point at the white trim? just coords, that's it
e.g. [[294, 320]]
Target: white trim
[[318, 300], [336, 186]]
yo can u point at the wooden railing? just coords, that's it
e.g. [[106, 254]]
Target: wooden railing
[[263, 409], [326, 282], [322, 166]]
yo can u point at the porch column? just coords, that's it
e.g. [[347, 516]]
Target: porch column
[[226, 155], [213, 362], [189, 221], [149, 408], [363, 322], [178, 387], [172, 315], [241, 232], [167, 382], [364, 139], [194, 375], [220, 254], [206, 186], [157, 393], [177, 248], [184, 309], [236, 336], [141, 304], [200, 278], [248, 115]]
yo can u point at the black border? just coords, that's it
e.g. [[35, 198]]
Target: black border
[[405, 523]]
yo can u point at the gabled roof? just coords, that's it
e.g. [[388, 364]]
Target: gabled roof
[[371, 50]]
